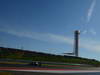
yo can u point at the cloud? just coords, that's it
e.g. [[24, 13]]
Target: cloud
[[38, 36], [84, 32], [86, 43], [90, 10], [90, 44], [89, 15], [90, 31]]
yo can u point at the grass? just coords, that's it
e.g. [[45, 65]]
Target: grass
[[13, 63], [60, 65], [6, 73]]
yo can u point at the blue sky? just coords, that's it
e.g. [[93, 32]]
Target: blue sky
[[48, 25]]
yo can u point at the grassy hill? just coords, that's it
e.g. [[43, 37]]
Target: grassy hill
[[11, 53]]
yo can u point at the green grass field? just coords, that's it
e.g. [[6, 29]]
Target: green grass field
[[17, 54]]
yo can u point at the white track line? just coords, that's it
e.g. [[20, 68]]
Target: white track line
[[55, 71]]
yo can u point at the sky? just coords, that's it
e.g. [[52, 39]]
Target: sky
[[48, 25]]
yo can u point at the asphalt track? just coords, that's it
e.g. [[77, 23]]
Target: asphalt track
[[46, 70], [26, 69]]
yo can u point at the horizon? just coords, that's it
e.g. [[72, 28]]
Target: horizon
[[49, 25]]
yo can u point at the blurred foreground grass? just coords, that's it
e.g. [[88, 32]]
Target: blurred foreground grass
[[6, 73], [13, 63]]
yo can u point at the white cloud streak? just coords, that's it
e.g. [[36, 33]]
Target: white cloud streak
[[88, 18], [90, 11], [88, 44], [39, 36], [90, 31], [84, 32]]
